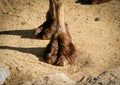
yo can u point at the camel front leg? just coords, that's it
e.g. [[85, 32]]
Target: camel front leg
[[67, 50]]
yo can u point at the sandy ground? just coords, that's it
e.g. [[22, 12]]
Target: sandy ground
[[95, 31]]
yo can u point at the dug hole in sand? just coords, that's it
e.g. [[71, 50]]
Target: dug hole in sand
[[95, 31]]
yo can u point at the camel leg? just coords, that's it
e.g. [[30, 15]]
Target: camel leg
[[66, 48], [51, 51], [60, 46], [46, 30]]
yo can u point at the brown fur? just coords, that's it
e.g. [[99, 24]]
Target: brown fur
[[59, 49], [50, 54], [55, 29], [46, 30], [66, 49]]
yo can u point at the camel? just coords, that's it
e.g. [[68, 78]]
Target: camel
[[56, 30]]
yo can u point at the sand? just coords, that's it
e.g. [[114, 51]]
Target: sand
[[95, 31]]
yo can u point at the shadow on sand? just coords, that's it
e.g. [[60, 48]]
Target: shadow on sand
[[84, 2], [22, 33], [91, 2], [38, 52]]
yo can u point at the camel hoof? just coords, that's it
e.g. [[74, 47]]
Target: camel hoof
[[50, 54]]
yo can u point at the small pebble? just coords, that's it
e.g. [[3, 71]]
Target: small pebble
[[117, 39], [97, 19], [23, 23]]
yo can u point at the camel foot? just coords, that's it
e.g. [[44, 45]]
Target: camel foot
[[45, 31], [50, 54]]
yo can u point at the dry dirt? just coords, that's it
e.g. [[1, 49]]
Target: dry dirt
[[95, 31]]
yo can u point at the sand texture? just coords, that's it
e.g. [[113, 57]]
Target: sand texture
[[95, 31]]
